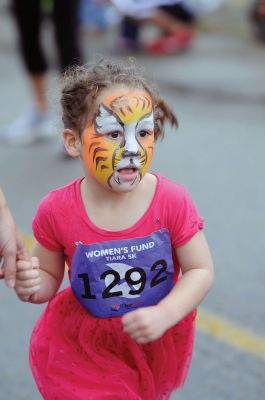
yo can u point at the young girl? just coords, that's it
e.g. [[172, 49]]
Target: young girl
[[138, 260]]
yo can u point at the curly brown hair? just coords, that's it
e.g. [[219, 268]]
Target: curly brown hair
[[82, 85]]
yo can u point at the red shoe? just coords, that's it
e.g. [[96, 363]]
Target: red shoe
[[170, 44]]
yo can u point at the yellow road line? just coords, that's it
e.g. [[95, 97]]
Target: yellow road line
[[231, 333], [28, 240], [218, 327]]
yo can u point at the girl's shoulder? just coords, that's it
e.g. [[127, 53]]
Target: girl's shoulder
[[67, 189], [63, 193], [179, 211], [169, 189], [60, 199], [54, 214]]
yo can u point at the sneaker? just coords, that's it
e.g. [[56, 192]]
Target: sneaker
[[28, 128], [170, 44]]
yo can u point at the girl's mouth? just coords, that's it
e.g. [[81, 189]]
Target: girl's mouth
[[128, 173]]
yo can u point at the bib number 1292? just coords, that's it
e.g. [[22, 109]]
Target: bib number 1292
[[134, 276]]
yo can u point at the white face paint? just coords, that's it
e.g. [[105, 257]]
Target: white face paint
[[129, 134]]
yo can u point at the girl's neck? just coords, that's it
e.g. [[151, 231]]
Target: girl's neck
[[93, 191], [117, 211]]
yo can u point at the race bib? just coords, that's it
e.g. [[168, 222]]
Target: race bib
[[114, 277]]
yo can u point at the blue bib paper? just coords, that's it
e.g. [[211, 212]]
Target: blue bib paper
[[113, 277]]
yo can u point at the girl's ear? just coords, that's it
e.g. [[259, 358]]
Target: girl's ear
[[72, 143]]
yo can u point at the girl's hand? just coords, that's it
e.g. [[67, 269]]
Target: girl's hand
[[146, 324], [27, 278]]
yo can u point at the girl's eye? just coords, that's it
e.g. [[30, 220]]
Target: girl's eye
[[143, 133], [114, 134]]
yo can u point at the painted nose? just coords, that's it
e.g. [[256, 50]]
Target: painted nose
[[131, 145], [126, 153]]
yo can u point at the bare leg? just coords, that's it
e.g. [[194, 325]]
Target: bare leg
[[38, 84]]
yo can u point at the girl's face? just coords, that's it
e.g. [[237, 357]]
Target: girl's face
[[118, 144]]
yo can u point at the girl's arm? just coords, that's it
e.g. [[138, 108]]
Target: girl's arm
[[149, 323], [197, 268], [39, 278]]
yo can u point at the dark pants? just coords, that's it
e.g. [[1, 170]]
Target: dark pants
[[28, 16]]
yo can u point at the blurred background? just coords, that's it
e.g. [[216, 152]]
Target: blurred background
[[210, 66]]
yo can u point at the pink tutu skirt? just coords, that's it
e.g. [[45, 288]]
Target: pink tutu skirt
[[76, 356]]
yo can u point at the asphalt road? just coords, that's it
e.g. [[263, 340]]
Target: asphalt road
[[218, 92]]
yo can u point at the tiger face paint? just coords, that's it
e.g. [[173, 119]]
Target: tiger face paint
[[118, 146]]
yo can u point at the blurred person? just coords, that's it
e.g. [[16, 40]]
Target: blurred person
[[178, 26], [176, 19], [11, 245], [133, 240], [38, 122]]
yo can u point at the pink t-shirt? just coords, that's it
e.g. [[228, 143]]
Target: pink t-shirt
[[61, 221]]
